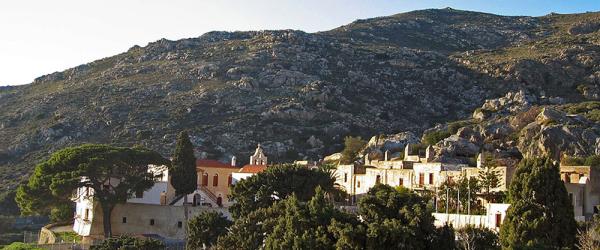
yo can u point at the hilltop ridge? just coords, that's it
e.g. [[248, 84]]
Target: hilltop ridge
[[298, 93]]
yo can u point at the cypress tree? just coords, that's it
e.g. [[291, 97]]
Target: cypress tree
[[541, 214], [183, 168]]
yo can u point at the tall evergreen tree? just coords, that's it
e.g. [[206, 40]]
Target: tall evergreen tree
[[184, 177], [489, 177], [183, 168], [541, 213]]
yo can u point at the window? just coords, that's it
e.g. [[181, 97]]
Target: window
[[151, 222], [229, 180], [430, 178], [124, 220], [179, 224], [205, 179], [345, 177], [400, 182], [86, 214], [215, 180], [421, 179], [139, 194], [358, 184], [378, 179], [567, 178], [87, 191]]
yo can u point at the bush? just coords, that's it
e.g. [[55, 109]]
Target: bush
[[593, 161], [572, 161], [130, 243], [434, 137], [21, 246]]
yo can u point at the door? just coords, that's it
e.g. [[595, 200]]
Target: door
[[498, 220]]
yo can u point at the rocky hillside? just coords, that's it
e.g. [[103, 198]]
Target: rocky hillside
[[298, 93]]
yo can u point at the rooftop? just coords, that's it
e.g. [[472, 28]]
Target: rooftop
[[205, 163], [253, 169]]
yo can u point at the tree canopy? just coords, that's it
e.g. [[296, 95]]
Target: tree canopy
[[291, 224], [397, 219], [352, 146], [473, 238], [541, 214], [390, 219], [277, 183], [92, 166], [205, 228]]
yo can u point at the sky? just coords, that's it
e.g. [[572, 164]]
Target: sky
[[41, 37]]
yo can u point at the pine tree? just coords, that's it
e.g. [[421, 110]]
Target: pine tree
[[489, 177], [541, 214]]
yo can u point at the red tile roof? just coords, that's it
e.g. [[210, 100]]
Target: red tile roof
[[253, 169], [204, 163]]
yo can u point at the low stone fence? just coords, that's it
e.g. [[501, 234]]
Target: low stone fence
[[47, 235]]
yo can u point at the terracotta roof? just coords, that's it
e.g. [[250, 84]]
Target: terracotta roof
[[253, 169], [204, 163]]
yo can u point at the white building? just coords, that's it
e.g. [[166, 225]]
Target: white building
[[154, 211]]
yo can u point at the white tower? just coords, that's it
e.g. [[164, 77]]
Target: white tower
[[233, 161]]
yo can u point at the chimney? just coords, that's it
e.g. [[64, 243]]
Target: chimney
[[233, 161], [407, 152], [385, 158], [429, 153]]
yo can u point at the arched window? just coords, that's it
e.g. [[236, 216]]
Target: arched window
[[378, 179], [229, 180], [205, 179], [215, 180]]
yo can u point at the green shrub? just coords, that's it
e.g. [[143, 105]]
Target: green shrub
[[21, 246], [593, 160], [572, 161], [130, 243], [69, 237], [434, 137]]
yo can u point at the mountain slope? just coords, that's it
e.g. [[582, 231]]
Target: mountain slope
[[298, 93]]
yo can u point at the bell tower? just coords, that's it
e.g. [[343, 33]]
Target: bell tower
[[259, 157]]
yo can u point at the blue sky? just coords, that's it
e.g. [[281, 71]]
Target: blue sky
[[40, 37]]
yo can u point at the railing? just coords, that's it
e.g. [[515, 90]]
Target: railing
[[210, 194]]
